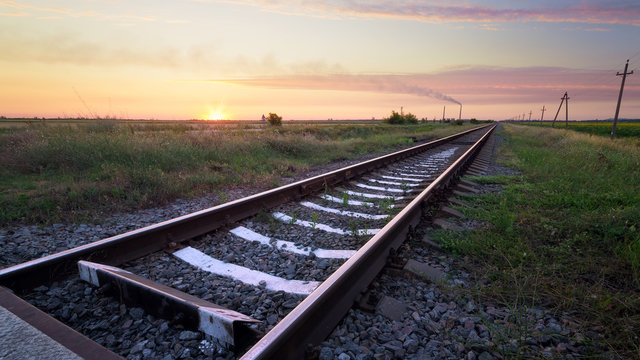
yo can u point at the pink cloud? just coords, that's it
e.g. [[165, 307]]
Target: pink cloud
[[586, 12], [395, 84], [73, 13], [477, 85]]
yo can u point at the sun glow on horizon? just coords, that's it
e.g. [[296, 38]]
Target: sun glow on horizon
[[216, 114]]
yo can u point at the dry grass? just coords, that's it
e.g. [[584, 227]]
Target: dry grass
[[74, 173]]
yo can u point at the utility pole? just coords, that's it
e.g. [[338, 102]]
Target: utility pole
[[543, 109], [460, 116], [530, 112], [566, 108], [564, 97], [615, 118], [443, 110], [523, 116]]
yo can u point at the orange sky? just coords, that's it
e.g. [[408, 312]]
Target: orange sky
[[316, 59]]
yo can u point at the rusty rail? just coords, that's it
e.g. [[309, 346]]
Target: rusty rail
[[316, 316]]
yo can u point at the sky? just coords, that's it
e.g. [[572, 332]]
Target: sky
[[318, 59]]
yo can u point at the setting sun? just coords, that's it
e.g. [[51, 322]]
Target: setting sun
[[216, 114]]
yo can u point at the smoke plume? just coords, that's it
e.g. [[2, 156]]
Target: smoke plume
[[393, 84]]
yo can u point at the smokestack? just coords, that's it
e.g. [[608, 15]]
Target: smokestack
[[460, 116], [443, 110]]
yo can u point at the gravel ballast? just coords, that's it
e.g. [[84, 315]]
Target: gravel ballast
[[441, 322]]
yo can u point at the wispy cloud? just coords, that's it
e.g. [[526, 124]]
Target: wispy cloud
[[14, 14], [64, 47], [70, 48], [585, 12], [43, 11], [476, 85], [395, 84]]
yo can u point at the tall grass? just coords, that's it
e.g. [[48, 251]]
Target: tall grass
[[566, 233], [623, 129], [73, 173]]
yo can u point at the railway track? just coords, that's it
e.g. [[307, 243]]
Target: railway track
[[259, 277]]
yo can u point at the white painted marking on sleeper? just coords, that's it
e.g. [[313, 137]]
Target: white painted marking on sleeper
[[413, 170], [400, 178], [349, 202], [416, 174], [373, 196], [342, 212], [379, 188], [241, 273], [286, 218], [250, 235], [392, 183]]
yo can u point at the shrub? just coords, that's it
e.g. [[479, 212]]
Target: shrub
[[458, 122], [474, 121], [274, 119], [397, 118], [409, 118]]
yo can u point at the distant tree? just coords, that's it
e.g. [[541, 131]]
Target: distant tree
[[397, 118], [409, 118], [274, 119]]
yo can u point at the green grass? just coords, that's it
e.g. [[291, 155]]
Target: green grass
[[623, 129], [565, 234], [53, 173]]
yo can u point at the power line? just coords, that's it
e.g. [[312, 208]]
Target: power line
[[91, 113]]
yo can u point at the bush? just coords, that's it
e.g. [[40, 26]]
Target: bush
[[274, 119], [458, 122], [409, 118], [474, 121], [397, 118]]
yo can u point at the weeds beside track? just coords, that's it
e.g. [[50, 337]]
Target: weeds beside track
[[564, 234], [624, 129], [74, 173]]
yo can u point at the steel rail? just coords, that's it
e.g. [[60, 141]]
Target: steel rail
[[137, 243], [318, 314]]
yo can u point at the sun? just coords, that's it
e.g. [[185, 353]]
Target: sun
[[216, 114]]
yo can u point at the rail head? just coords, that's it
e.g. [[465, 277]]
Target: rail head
[[316, 316]]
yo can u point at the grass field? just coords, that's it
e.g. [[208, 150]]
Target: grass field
[[623, 129], [80, 171], [565, 234]]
